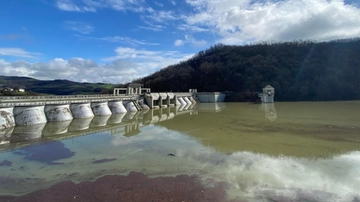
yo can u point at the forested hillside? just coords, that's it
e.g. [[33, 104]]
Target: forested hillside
[[298, 70]]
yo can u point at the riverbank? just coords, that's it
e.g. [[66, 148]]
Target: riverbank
[[134, 187]]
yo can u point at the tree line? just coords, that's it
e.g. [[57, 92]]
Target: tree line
[[298, 70]]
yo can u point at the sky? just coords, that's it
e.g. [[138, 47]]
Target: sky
[[117, 41]]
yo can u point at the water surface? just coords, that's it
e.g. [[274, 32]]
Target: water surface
[[301, 151]]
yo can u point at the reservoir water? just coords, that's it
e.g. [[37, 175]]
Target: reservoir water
[[303, 151]]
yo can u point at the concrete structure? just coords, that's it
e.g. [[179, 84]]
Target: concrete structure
[[211, 97], [58, 112], [117, 107], [126, 124], [32, 110], [267, 95], [6, 118], [132, 89], [163, 100]]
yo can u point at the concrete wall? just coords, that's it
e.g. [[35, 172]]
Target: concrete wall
[[211, 97]]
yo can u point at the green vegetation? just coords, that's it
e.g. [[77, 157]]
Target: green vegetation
[[298, 70]]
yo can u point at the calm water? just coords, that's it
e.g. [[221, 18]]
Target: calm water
[[299, 150]]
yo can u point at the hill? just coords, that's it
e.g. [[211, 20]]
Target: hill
[[54, 87], [298, 70]]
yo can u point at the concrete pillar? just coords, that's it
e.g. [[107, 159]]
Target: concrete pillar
[[188, 102], [192, 100], [30, 115], [181, 100], [130, 107], [177, 101], [100, 108], [171, 100], [7, 119], [153, 100], [117, 107], [163, 98], [58, 113], [181, 108], [81, 110], [149, 100]]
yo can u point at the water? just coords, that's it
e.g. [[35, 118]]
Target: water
[[303, 151]]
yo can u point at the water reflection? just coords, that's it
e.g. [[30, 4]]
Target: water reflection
[[99, 121], [299, 157], [27, 133], [211, 107], [5, 135], [46, 153], [80, 124], [116, 118], [269, 109], [56, 128]]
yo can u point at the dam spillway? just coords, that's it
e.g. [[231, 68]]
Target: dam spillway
[[33, 110]]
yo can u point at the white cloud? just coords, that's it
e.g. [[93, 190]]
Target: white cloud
[[173, 2], [78, 26], [127, 40], [179, 42], [127, 65], [161, 16], [18, 52], [75, 69], [192, 28], [152, 26], [93, 5], [148, 61], [190, 40], [242, 21]]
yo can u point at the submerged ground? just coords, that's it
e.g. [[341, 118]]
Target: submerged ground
[[207, 152]]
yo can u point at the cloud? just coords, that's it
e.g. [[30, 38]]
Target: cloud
[[161, 16], [152, 26], [75, 69], [18, 52], [237, 22], [148, 61], [190, 40], [78, 26], [94, 5], [179, 42], [127, 40], [127, 65]]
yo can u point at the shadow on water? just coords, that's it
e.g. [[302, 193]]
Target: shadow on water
[[48, 152]]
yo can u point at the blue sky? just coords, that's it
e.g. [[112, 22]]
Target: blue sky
[[116, 41]]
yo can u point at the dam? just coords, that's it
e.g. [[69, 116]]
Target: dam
[[33, 110]]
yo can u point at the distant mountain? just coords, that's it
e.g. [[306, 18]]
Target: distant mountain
[[298, 70], [55, 87]]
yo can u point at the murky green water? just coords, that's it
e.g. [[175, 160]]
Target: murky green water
[[304, 151]]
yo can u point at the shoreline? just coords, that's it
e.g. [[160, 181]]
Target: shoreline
[[134, 187]]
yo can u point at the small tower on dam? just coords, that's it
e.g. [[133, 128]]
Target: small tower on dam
[[267, 96]]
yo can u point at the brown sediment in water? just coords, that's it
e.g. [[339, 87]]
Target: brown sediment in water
[[134, 187]]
